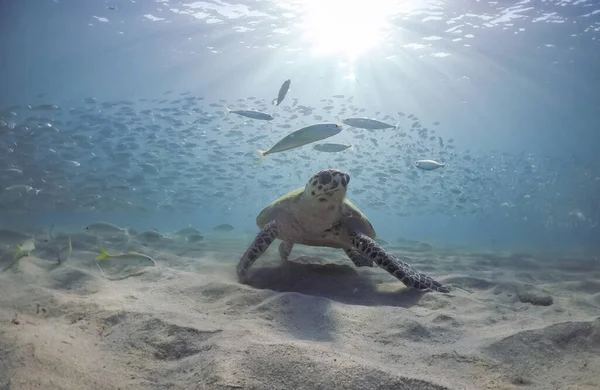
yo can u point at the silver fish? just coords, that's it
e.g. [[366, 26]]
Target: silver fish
[[105, 229], [11, 237], [331, 148], [192, 238], [285, 87], [261, 116], [429, 165], [150, 236], [304, 136], [367, 123], [224, 227], [43, 107]]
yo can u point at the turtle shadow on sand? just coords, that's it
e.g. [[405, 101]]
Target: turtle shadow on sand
[[318, 277]]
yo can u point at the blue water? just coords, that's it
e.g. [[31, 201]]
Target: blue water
[[515, 84]]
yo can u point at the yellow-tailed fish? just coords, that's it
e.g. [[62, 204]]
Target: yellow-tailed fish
[[24, 249], [304, 136], [12, 237], [124, 256]]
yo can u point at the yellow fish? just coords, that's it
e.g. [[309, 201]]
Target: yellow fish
[[124, 256], [24, 249]]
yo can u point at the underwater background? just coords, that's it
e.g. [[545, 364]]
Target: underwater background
[[117, 111], [140, 139]]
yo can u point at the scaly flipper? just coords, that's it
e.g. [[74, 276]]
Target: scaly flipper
[[399, 269], [358, 259], [285, 248], [257, 248]]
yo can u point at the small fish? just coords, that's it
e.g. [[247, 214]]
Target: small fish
[[429, 165], [43, 107], [22, 188], [285, 87], [251, 114], [135, 256], [104, 229], [368, 123], [65, 254], [225, 227], [150, 236], [332, 148], [13, 170], [187, 231], [24, 249], [11, 237], [304, 136], [193, 238]]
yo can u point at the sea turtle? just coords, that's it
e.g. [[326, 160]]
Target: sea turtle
[[320, 215]]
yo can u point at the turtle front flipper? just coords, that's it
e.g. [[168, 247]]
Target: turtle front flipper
[[367, 247], [260, 244], [285, 248], [358, 259]]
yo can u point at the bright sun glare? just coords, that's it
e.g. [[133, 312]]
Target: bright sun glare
[[347, 27]]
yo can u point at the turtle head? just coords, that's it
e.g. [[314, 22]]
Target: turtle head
[[327, 187]]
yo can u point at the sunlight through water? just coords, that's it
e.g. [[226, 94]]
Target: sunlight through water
[[347, 28]]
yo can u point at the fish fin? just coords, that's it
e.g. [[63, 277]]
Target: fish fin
[[274, 101], [103, 255], [129, 234], [70, 249], [261, 156], [397, 126], [50, 232], [18, 252], [101, 271], [228, 110], [352, 148]]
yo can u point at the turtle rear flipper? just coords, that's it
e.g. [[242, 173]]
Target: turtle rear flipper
[[367, 247], [260, 244]]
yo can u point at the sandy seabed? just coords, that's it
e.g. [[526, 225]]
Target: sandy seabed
[[518, 321]]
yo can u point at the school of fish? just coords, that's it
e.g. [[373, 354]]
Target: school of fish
[[181, 152]]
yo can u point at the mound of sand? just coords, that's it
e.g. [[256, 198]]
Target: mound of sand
[[312, 323]]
